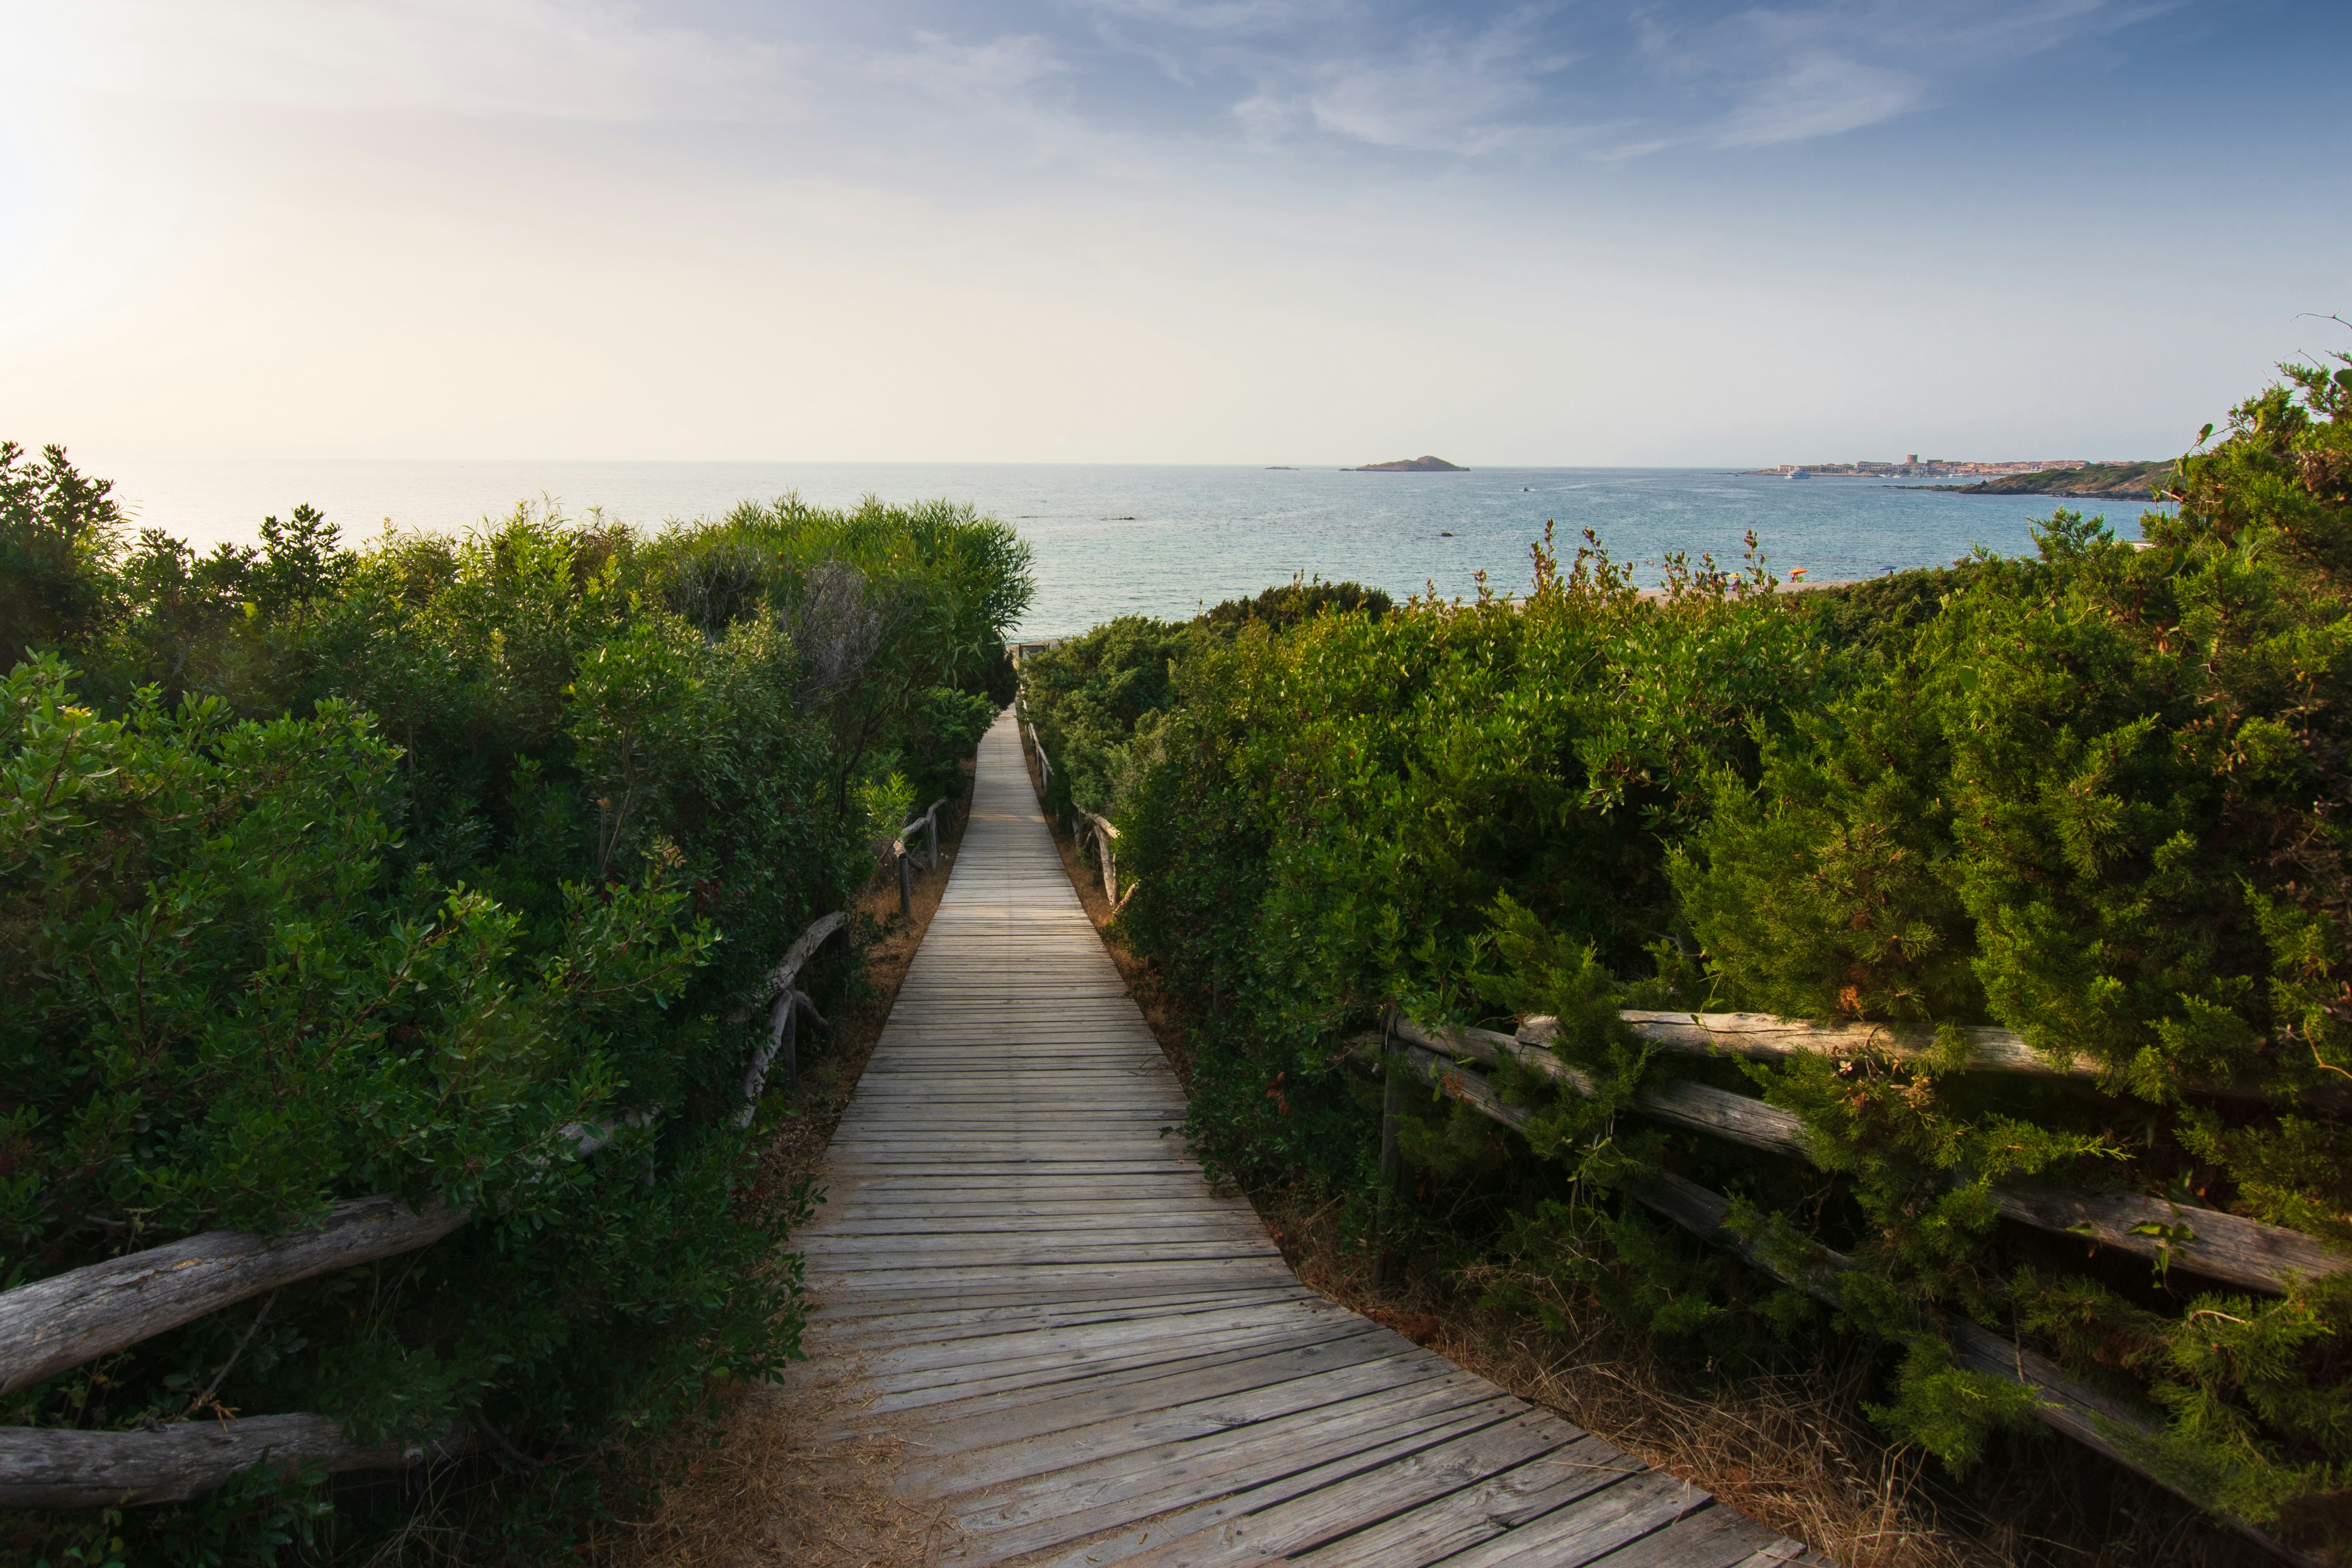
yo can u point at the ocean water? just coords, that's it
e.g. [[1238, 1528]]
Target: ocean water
[[1162, 540]]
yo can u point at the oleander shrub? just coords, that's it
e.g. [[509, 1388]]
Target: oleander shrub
[[332, 872]]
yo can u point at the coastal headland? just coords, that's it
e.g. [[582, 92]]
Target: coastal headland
[[2069, 477], [2126, 481]]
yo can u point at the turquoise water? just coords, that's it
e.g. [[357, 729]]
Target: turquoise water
[[1131, 540]]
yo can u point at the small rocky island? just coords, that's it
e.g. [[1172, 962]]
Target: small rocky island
[[1422, 465]]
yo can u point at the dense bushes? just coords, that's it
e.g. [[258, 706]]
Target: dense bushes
[[331, 872], [2095, 797]]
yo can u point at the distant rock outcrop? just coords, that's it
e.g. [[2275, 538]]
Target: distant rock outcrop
[[2119, 481], [1422, 464]]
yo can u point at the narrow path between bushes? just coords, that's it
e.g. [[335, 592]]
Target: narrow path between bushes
[[1089, 1357]]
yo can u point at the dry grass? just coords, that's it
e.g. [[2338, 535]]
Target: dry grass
[[772, 1485], [768, 1482]]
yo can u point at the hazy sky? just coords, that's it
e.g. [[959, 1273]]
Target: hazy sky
[[1247, 231]]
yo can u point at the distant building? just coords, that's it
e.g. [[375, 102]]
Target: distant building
[[1910, 459]]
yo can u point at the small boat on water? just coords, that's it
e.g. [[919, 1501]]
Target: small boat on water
[[1799, 474]]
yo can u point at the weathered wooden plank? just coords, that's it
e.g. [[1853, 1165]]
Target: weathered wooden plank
[[990, 1251], [1711, 1536], [1298, 1526], [1157, 1533], [995, 1347], [1149, 1378], [1134, 1219], [928, 1322], [1303, 1406], [1073, 1504], [1589, 1527], [972, 1287], [1076, 1348], [1461, 1520]]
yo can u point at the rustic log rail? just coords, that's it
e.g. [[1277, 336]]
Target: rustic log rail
[[53, 1325], [2107, 1425], [2219, 1246], [42, 1467], [896, 850], [784, 1011], [1106, 856], [1762, 1036], [1085, 825]]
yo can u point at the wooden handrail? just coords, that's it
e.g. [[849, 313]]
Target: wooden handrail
[[2218, 1245], [1081, 818], [2074, 1409], [783, 1012], [54, 1324], [45, 1467], [1764, 1037], [1104, 834]]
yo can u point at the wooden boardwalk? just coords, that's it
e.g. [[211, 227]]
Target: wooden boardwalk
[[1092, 1357]]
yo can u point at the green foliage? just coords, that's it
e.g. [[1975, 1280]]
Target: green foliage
[[327, 873], [2094, 796], [58, 530], [2090, 799], [1290, 603], [1950, 1411], [1099, 702]]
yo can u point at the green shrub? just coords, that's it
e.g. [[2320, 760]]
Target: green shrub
[[2093, 800], [2094, 796], [345, 873]]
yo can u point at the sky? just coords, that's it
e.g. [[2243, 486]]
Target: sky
[[1230, 231]]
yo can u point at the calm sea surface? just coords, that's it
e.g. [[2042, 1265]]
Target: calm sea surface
[[1114, 541]]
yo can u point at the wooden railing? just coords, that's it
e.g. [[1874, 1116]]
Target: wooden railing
[[2206, 1241], [2222, 1246], [896, 850], [1086, 828], [1105, 839], [56, 1324]]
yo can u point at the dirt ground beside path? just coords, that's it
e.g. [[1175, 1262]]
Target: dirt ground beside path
[[767, 1484]]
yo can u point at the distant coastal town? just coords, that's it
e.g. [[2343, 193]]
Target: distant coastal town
[[1914, 467], [2111, 481]]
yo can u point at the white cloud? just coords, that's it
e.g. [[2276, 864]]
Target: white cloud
[[1819, 95], [1802, 72], [1232, 16], [995, 73], [1441, 92]]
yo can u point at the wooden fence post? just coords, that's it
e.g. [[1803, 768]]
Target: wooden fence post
[[906, 881], [789, 1048], [1384, 1263]]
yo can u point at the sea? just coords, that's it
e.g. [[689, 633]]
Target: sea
[[1127, 539]]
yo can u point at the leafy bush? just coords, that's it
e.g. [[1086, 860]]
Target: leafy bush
[[2093, 795], [2095, 800], [556, 797]]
